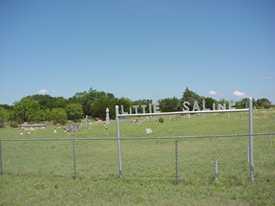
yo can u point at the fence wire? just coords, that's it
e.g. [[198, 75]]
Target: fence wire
[[190, 159]]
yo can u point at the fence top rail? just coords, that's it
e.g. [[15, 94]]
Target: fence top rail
[[182, 112], [134, 138]]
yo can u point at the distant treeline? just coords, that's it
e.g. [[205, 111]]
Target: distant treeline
[[38, 108]]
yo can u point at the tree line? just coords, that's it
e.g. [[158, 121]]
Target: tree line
[[39, 108]]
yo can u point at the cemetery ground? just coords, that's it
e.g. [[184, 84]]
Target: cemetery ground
[[40, 172]]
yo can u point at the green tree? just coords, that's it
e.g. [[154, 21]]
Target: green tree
[[88, 98], [209, 101], [244, 103], [26, 110], [169, 104], [58, 116], [99, 106], [143, 102], [263, 103], [48, 102], [126, 102], [4, 116], [191, 96], [60, 102], [41, 115], [74, 111]]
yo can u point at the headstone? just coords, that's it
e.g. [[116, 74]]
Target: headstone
[[72, 128], [86, 121], [148, 131], [107, 115]]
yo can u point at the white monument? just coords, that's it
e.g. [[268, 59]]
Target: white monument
[[107, 115]]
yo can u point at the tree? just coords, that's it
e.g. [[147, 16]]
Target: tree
[[244, 103], [191, 96], [88, 98], [126, 102], [74, 111], [41, 115], [26, 110], [169, 104], [143, 102], [263, 103], [58, 116], [99, 106], [209, 101], [4, 115], [48, 102], [6, 106], [60, 102]]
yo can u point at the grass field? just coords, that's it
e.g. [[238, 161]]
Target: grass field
[[40, 172]]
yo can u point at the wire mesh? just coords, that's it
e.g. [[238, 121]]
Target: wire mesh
[[153, 158], [204, 148], [37, 158]]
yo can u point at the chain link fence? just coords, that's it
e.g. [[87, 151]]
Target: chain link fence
[[188, 159]]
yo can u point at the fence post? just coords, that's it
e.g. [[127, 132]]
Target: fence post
[[74, 158], [216, 170], [177, 161], [1, 159], [250, 141], [119, 158]]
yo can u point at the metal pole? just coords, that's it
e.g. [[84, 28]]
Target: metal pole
[[119, 158], [1, 160], [177, 161], [74, 158], [250, 141], [182, 112], [86, 121], [216, 170]]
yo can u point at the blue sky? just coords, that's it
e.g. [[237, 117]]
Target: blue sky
[[137, 48]]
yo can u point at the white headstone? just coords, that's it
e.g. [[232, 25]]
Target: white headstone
[[148, 131], [107, 115], [86, 121]]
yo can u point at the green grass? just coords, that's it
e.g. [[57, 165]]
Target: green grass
[[40, 173]]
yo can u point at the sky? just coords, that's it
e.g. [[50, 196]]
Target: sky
[[137, 48]]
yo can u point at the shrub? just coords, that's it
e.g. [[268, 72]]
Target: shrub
[[58, 116], [26, 110], [4, 115], [74, 111], [161, 120], [13, 124], [2, 124]]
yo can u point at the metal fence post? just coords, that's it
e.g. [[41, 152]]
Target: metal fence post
[[119, 158], [74, 158], [250, 141], [216, 170], [177, 161], [1, 159]]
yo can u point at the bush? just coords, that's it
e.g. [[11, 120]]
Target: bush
[[161, 120], [58, 116], [2, 124], [74, 111], [26, 110], [13, 124], [263, 103], [3, 116]]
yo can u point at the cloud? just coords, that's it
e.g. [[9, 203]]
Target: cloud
[[268, 77], [212, 93], [43, 91], [238, 93]]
